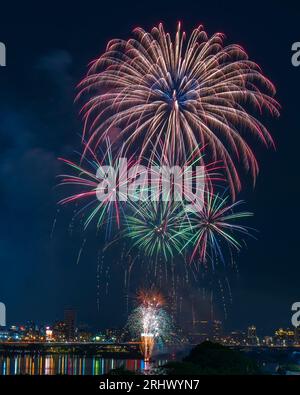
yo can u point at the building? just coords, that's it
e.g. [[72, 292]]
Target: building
[[203, 330], [217, 330], [113, 334], [284, 337], [99, 337], [268, 341], [251, 331], [59, 331], [297, 336], [200, 331], [235, 338], [4, 333], [70, 323], [83, 333], [49, 334], [252, 338], [16, 333]]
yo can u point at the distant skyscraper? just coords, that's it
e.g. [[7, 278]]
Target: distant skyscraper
[[252, 336], [70, 322], [251, 331], [204, 329], [217, 329], [200, 331]]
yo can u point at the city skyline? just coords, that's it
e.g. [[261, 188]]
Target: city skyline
[[70, 324], [46, 262], [64, 332]]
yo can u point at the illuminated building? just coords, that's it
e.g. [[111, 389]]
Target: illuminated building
[[17, 333], [83, 335], [4, 334], [284, 337], [251, 331], [200, 331], [70, 322], [59, 331], [252, 338], [268, 341], [236, 338], [49, 334], [99, 337], [203, 330], [217, 330], [297, 336], [113, 334], [30, 331]]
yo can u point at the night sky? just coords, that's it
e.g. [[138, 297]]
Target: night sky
[[48, 50]]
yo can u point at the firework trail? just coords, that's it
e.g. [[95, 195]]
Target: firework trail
[[171, 96]]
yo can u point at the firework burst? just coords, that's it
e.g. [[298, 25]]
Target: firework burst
[[213, 225], [87, 180], [155, 227], [150, 322], [150, 298], [171, 96]]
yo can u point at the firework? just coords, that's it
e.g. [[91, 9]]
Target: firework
[[87, 180], [150, 298], [170, 96], [147, 345], [150, 322], [215, 223], [155, 227]]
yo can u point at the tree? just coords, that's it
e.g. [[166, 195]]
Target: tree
[[213, 358]]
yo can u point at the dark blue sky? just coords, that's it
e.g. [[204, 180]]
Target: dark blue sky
[[48, 49]]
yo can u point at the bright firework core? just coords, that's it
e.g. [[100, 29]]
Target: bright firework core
[[147, 345]]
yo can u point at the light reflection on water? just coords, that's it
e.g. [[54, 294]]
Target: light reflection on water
[[65, 364]]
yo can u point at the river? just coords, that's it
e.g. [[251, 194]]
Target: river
[[64, 364]]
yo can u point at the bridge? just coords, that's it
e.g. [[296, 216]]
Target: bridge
[[122, 350]]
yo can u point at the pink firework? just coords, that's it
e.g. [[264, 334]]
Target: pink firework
[[170, 96]]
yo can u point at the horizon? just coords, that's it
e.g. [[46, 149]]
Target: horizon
[[47, 260]]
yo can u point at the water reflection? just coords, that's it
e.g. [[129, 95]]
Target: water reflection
[[68, 364]]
